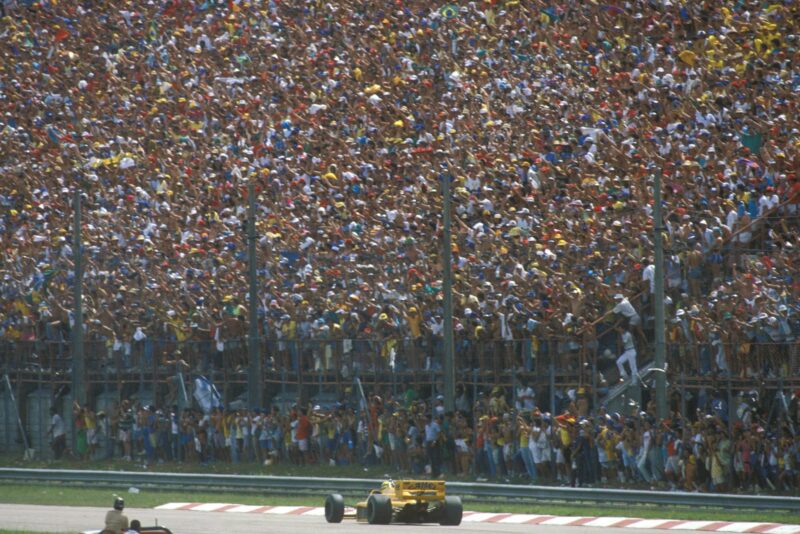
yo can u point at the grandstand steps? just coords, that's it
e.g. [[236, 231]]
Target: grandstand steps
[[626, 398]]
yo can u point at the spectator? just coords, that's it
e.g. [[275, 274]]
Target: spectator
[[433, 443], [628, 356], [350, 177], [57, 433], [115, 520]]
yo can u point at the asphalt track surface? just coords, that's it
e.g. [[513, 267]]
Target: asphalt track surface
[[77, 519]]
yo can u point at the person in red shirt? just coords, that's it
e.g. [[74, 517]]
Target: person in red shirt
[[303, 434]]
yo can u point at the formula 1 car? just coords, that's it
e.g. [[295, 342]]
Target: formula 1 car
[[143, 530], [401, 501]]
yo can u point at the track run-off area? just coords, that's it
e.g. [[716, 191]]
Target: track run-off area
[[201, 519]]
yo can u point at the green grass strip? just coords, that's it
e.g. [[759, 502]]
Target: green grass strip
[[214, 468]]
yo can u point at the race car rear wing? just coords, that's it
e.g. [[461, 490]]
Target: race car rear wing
[[426, 490]]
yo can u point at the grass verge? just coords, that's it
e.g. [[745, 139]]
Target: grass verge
[[63, 495], [213, 468]]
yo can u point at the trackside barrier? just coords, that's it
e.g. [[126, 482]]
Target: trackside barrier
[[305, 485]]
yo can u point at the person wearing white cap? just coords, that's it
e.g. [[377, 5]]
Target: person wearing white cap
[[626, 309], [628, 356]]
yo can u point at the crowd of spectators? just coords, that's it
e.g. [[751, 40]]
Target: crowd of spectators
[[549, 118], [750, 448]]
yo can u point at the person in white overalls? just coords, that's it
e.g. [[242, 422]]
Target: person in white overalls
[[628, 355]]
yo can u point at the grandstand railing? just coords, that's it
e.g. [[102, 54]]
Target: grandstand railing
[[329, 365]]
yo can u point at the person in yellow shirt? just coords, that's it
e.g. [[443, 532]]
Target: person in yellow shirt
[[563, 447], [524, 429], [607, 441], [289, 333], [414, 321]]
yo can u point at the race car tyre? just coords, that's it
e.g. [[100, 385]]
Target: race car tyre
[[452, 512], [334, 508], [379, 510]]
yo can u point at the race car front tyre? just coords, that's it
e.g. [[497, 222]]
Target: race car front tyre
[[379, 510], [451, 512], [334, 508]]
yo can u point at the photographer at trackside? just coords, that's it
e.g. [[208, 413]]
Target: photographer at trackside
[[116, 521]]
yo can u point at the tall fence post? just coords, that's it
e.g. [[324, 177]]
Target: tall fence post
[[552, 387], [320, 386], [474, 421], [448, 367], [433, 393], [108, 451], [683, 397], [141, 373], [594, 382], [731, 411], [513, 390], [660, 328], [78, 361], [255, 379]]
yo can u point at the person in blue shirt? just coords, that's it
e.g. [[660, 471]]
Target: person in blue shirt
[[433, 434]]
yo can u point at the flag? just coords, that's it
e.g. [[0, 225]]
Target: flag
[[688, 57], [450, 11], [548, 15], [61, 35], [54, 135], [206, 394]]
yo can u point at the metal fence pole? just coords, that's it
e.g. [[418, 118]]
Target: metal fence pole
[[319, 377], [513, 390], [108, 440], [552, 383], [42, 434], [141, 374], [449, 368], [683, 397], [731, 412], [594, 383], [78, 362], [474, 421], [255, 379], [433, 394], [660, 348]]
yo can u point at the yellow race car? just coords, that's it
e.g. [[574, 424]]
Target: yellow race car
[[401, 501]]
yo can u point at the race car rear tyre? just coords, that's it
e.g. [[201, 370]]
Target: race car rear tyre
[[451, 512], [379, 510], [334, 508]]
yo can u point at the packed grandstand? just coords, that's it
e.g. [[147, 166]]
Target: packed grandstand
[[550, 120]]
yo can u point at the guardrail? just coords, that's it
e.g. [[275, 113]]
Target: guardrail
[[305, 485]]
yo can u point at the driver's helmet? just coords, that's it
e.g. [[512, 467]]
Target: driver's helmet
[[119, 503], [387, 484]]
